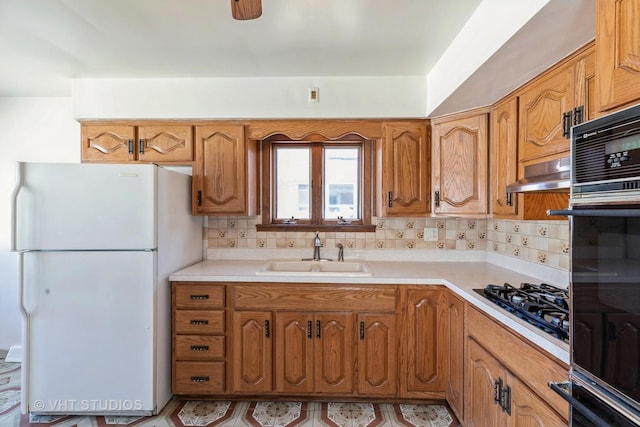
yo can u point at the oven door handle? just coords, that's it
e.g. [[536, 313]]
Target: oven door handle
[[561, 388], [596, 212]]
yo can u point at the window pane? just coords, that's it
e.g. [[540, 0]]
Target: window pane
[[341, 179], [292, 180]]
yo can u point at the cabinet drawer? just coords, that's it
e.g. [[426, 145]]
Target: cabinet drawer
[[197, 347], [206, 322], [198, 378], [198, 296]]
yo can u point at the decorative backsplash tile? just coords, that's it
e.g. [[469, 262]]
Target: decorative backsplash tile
[[542, 242]]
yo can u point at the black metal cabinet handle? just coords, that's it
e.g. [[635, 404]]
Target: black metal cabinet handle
[[497, 390], [199, 379], [199, 297], [317, 329], [267, 329], [566, 123], [130, 145], [436, 197], [199, 322], [509, 199], [199, 348], [578, 115], [309, 327], [505, 402], [141, 146], [361, 330], [199, 198], [390, 199]]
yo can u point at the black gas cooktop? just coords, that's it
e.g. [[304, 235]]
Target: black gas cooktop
[[542, 305]]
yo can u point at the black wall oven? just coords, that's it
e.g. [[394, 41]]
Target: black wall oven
[[604, 386]]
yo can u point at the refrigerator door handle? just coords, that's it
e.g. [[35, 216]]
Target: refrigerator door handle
[[14, 206], [26, 327]]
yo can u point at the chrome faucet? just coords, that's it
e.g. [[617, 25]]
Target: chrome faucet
[[340, 252], [316, 247]]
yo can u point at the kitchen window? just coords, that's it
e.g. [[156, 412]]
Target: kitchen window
[[316, 185]]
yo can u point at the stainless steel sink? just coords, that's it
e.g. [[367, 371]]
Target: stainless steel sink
[[316, 268]]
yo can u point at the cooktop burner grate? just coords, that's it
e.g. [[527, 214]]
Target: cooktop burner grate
[[542, 305]]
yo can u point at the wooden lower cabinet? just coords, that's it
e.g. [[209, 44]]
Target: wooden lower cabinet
[[506, 379], [253, 352], [377, 354], [424, 341], [455, 345], [297, 344], [198, 338]]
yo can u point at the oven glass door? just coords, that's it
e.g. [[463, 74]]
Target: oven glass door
[[605, 297]]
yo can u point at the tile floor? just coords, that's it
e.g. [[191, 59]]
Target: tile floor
[[228, 413]]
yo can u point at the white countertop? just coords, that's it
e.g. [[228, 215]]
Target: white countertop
[[460, 277]]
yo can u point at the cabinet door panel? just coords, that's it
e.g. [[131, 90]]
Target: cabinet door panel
[[107, 143], [460, 151], [618, 52], [294, 352], [377, 354], [528, 410], [425, 338], [504, 156], [455, 354], [334, 353], [541, 111], [165, 143], [252, 349], [405, 169], [483, 373], [219, 172]]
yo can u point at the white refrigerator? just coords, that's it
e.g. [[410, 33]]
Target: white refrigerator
[[96, 245]]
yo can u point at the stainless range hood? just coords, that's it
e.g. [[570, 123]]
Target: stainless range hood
[[549, 176]]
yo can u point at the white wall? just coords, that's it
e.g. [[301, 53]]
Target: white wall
[[33, 129], [490, 26], [245, 98]]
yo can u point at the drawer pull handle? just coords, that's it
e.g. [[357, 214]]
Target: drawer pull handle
[[199, 348], [199, 297], [199, 322], [199, 379]]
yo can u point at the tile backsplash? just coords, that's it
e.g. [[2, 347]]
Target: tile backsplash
[[543, 242]]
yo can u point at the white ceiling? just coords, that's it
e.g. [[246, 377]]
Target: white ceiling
[[45, 43]]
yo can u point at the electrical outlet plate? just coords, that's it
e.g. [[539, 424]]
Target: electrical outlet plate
[[430, 234], [314, 95]]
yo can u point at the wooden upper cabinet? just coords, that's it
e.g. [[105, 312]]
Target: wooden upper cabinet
[[224, 172], [107, 143], [117, 142], [618, 53], [542, 108], [460, 157], [160, 143], [403, 162], [504, 156]]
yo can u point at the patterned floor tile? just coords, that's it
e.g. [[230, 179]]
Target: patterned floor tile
[[337, 414], [277, 414], [212, 413], [424, 415]]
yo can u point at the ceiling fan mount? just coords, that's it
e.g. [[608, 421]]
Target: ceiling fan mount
[[244, 10]]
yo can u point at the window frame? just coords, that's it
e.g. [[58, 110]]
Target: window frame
[[316, 222]]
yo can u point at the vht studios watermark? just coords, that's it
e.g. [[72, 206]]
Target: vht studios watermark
[[89, 405]]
